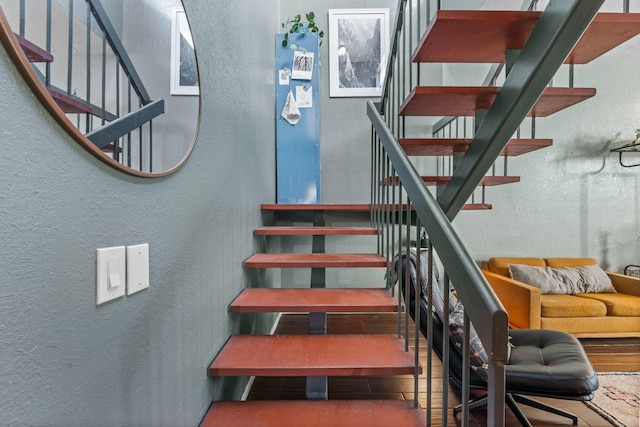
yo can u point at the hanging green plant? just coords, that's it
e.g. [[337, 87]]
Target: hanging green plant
[[296, 25]]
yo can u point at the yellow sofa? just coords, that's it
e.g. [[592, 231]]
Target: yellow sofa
[[582, 314]]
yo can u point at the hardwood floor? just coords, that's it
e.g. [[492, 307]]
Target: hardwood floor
[[622, 354]]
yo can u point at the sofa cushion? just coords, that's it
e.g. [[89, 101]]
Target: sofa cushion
[[571, 306], [500, 265], [569, 262], [617, 304]]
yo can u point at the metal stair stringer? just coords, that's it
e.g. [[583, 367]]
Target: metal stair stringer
[[560, 27]]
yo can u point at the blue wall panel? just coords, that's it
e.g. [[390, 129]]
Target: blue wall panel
[[298, 146]]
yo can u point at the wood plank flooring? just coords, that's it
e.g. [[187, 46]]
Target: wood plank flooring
[[621, 354]]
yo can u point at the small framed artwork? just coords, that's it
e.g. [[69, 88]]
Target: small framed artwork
[[358, 49], [184, 71]]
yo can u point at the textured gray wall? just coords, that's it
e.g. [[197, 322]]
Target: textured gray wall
[[140, 360]]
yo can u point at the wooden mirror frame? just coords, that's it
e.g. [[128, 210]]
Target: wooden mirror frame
[[24, 67]]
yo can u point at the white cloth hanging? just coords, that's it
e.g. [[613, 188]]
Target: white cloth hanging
[[290, 112]]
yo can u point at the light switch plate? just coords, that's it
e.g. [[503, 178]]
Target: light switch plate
[[110, 274], [137, 268]]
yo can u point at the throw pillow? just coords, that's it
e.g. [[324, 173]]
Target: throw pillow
[[563, 280], [478, 359], [594, 279], [543, 278]]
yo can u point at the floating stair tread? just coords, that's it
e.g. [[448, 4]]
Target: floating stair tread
[[465, 100], [340, 207], [320, 260], [442, 180], [477, 207], [449, 146], [483, 36], [33, 52], [110, 148], [264, 300], [313, 355], [314, 413], [316, 231], [69, 104], [352, 208]]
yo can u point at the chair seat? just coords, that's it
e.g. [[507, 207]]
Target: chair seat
[[549, 363]]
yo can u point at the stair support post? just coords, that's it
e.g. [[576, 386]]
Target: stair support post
[[318, 387], [558, 30]]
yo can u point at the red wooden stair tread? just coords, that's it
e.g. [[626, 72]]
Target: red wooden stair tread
[[465, 100], [314, 300], [448, 146], [313, 355], [317, 231], [442, 180], [339, 207], [33, 52], [330, 413], [315, 260], [69, 104], [483, 36]]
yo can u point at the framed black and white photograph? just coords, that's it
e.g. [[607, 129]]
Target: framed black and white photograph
[[184, 72], [358, 49]]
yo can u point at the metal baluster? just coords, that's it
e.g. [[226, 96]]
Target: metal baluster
[[116, 143], [387, 210], [140, 163], [399, 269], [88, 116], [129, 134], [373, 176], [407, 271], [392, 253], [466, 370], [21, 31], [150, 146], [416, 316], [70, 49], [445, 349], [429, 332], [104, 78], [47, 65]]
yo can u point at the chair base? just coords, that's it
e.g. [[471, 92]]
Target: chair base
[[511, 400]]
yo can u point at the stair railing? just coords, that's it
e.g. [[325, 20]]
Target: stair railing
[[402, 207], [110, 117], [400, 199], [405, 204]]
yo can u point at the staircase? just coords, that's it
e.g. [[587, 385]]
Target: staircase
[[452, 36], [315, 355], [494, 37]]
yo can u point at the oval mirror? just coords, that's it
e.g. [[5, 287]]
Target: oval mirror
[[119, 75]]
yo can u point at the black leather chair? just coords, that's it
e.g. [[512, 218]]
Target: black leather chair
[[543, 363]]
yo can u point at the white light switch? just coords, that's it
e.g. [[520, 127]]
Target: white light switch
[[137, 268], [110, 274]]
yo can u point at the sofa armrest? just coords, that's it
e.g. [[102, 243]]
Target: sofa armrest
[[625, 284], [521, 301]]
